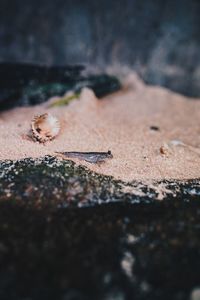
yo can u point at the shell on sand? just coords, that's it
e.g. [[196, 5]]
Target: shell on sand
[[45, 127]]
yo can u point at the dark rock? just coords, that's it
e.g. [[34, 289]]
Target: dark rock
[[51, 182], [129, 247], [23, 84], [112, 251]]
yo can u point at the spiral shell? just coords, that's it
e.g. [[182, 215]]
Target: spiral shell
[[45, 127]]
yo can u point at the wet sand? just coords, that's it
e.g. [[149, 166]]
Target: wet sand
[[122, 123]]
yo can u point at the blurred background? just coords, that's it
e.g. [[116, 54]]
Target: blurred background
[[160, 40]]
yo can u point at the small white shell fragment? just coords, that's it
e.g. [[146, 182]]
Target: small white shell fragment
[[176, 143], [45, 127]]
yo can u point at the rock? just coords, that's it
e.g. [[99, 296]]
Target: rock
[[195, 294], [58, 252], [51, 182], [23, 84]]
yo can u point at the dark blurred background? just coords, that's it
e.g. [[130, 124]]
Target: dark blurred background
[[160, 40]]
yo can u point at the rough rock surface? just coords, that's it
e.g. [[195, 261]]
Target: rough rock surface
[[50, 182], [127, 247]]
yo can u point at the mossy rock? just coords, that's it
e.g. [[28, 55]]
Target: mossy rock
[[67, 233], [49, 181], [25, 84]]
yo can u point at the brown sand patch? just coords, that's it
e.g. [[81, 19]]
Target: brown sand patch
[[120, 122]]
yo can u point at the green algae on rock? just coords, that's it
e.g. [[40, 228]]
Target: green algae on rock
[[26, 84], [49, 181], [130, 246]]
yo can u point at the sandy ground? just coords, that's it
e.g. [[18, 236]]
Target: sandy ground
[[121, 123]]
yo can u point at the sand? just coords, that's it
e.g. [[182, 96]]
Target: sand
[[121, 123]]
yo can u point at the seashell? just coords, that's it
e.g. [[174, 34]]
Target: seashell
[[45, 127]]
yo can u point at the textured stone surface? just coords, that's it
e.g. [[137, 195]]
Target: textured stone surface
[[68, 233], [160, 40], [53, 183], [113, 251]]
